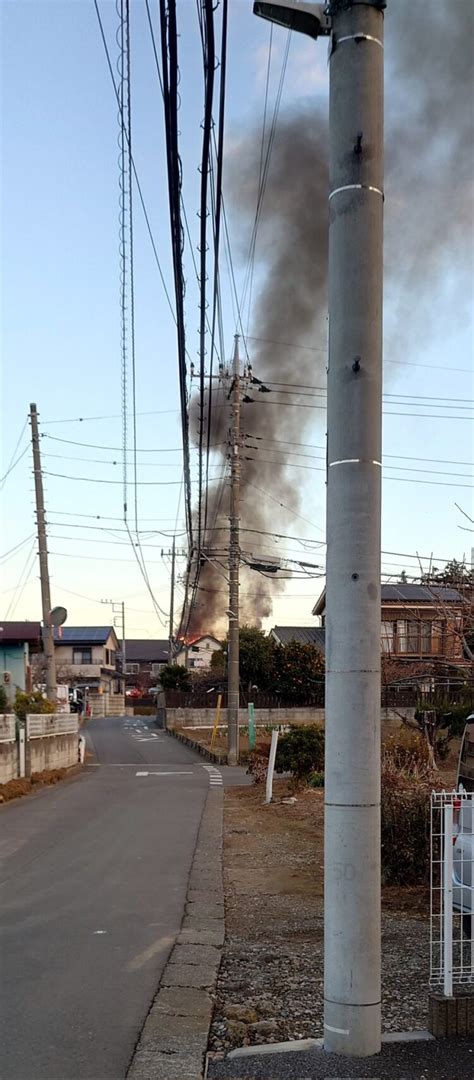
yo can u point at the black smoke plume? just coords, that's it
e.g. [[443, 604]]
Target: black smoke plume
[[429, 126]]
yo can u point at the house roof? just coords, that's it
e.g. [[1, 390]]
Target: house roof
[[82, 635], [146, 650], [306, 635], [406, 593], [421, 594], [20, 631]]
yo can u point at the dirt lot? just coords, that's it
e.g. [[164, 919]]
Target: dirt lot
[[270, 984]]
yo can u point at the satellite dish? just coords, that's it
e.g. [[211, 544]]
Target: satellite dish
[[58, 616]]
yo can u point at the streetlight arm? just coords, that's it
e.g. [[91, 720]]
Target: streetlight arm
[[310, 19]]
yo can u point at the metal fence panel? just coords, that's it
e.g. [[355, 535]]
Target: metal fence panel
[[39, 725], [7, 727], [452, 890]]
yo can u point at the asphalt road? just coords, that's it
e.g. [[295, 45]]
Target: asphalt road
[[92, 889]]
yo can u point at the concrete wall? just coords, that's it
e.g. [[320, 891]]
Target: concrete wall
[[8, 761], [106, 704], [178, 718], [206, 717], [53, 752]]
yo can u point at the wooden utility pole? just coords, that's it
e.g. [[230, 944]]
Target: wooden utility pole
[[48, 630], [233, 676]]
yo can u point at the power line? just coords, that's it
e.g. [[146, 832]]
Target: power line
[[12, 551], [314, 457], [318, 446], [97, 480], [109, 416], [169, 56], [22, 579], [135, 173], [12, 466], [419, 416], [217, 207], [323, 349]]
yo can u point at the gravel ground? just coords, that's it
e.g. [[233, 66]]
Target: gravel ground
[[270, 985]]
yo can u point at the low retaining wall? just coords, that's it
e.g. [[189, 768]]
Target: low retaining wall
[[189, 718], [8, 761], [178, 718], [53, 752]]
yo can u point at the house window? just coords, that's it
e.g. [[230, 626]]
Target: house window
[[387, 637], [82, 656], [426, 638], [437, 638], [194, 648], [155, 669], [107, 656], [132, 669], [408, 636]]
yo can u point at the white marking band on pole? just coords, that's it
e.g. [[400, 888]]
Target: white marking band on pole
[[356, 187], [357, 37], [337, 1031], [354, 461]]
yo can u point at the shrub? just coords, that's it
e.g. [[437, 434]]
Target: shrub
[[316, 780], [175, 677], [31, 703], [301, 752], [3, 700], [257, 765], [407, 782]]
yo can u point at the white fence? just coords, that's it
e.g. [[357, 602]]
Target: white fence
[[39, 725], [452, 890], [7, 728]]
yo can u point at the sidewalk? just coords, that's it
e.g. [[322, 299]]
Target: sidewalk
[[436, 1059]]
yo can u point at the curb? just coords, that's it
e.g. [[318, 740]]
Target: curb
[[173, 1042], [217, 759]]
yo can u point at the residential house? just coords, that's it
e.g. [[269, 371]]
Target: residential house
[[304, 635], [419, 622], [18, 642], [88, 656], [144, 660], [197, 652]]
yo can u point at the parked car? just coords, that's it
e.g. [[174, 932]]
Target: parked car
[[463, 854]]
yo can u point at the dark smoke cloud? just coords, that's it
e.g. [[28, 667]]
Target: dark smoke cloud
[[429, 127]]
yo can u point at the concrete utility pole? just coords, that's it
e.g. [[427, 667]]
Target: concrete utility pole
[[233, 677], [352, 949], [119, 618], [48, 630], [173, 565], [352, 954]]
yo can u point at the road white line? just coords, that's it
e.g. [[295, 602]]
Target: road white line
[[155, 773]]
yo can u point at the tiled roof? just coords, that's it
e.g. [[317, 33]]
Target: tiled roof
[[423, 594], [82, 635], [146, 650], [306, 635]]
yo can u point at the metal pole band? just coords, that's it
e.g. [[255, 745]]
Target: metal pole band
[[356, 187], [356, 37]]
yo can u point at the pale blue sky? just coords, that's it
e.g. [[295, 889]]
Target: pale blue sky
[[60, 307]]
